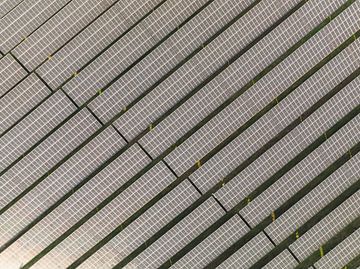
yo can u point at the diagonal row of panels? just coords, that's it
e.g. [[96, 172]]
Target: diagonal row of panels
[[179, 113]]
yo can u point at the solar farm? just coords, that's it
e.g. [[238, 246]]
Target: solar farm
[[179, 134]]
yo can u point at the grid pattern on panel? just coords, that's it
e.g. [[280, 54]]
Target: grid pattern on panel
[[200, 67], [32, 128], [142, 228], [129, 48], [282, 76], [10, 73], [20, 100], [281, 153], [88, 44], [284, 261], [342, 253], [249, 253], [178, 236], [165, 57], [60, 182], [118, 117], [214, 245], [314, 201], [80, 203], [24, 19], [327, 227], [40, 45], [111, 216], [223, 86], [302, 173]]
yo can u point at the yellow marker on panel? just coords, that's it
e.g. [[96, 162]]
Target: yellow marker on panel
[[198, 163], [273, 217], [321, 251]]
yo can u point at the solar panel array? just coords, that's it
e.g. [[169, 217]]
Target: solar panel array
[[179, 134]]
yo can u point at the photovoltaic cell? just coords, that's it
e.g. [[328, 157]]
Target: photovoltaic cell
[[129, 48], [143, 227], [249, 253], [178, 236], [90, 42], [200, 67], [58, 30], [327, 227], [303, 173], [32, 128], [10, 73], [284, 261], [318, 123], [110, 217], [20, 100], [59, 182], [314, 201], [76, 207], [246, 106], [224, 85], [342, 253], [24, 19], [7, 5], [165, 57], [213, 245]]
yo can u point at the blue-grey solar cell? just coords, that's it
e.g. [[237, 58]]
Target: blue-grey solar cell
[[314, 201], [61, 181], [318, 123], [178, 236], [200, 67], [130, 48], [41, 44], [20, 100], [165, 57], [110, 217], [300, 175], [25, 18], [214, 245], [342, 253], [33, 127], [85, 46], [143, 227], [328, 227], [8, 5], [11, 73], [212, 95], [249, 253], [284, 261], [77, 206]]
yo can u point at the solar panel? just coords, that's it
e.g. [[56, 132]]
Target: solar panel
[[284, 260], [143, 227], [166, 57], [320, 196], [61, 181], [25, 18], [69, 212], [32, 128], [304, 172], [189, 134], [178, 236], [20, 100], [58, 31], [10, 73], [342, 253], [129, 48], [93, 40], [327, 227], [195, 147], [201, 66], [310, 129], [214, 245], [248, 254]]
